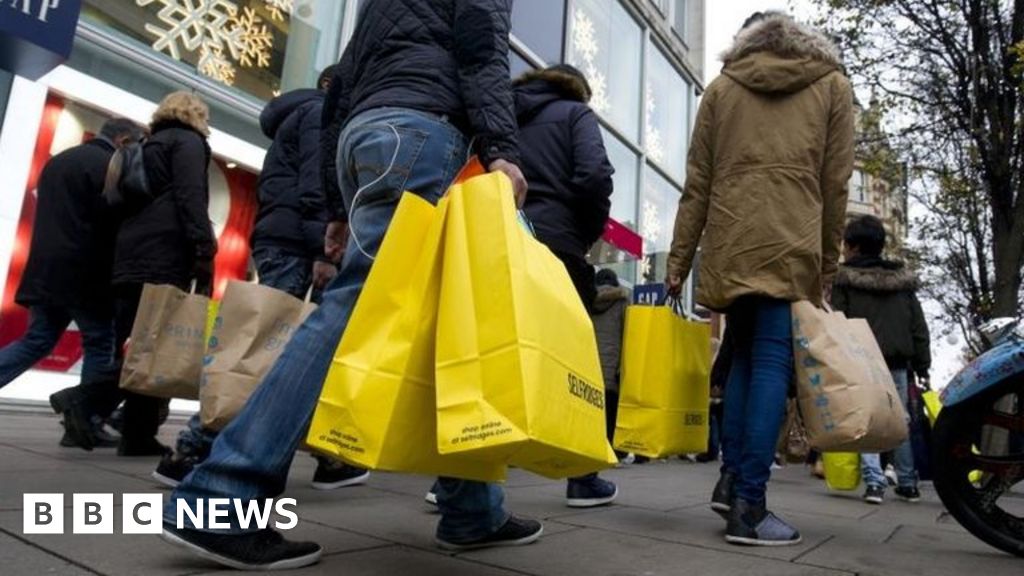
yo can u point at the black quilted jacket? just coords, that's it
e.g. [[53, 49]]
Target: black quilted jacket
[[447, 57]]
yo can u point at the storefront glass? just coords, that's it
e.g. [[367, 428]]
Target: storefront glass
[[666, 123], [259, 47], [539, 25], [606, 43], [658, 206]]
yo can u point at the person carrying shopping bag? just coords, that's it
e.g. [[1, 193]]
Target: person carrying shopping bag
[[570, 183], [417, 83], [771, 154], [884, 293]]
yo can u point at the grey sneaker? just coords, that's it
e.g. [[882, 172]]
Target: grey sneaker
[[753, 525], [721, 498]]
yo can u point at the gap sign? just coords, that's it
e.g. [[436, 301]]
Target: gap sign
[[36, 35]]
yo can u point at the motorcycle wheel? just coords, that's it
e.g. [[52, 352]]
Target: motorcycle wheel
[[978, 464]]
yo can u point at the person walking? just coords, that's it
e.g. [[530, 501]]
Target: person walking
[[417, 83], [67, 276], [609, 317], [766, 188], [166, 240], [570, 186], [884, 293], [288, 248]]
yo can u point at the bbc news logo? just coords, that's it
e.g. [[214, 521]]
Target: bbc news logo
[[143, 514]]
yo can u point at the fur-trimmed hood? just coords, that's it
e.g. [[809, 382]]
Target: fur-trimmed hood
[[884, 276], [779, 55], [537, 89], [607, 296]]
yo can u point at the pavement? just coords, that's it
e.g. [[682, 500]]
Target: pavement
[[660, 524]]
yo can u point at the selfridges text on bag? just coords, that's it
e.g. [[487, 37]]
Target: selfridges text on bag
[[665, 389], [847, 397], [377, 408], [518, 376], [253, 325], [165, 352]]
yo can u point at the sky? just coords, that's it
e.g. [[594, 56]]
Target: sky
[[724, 18]]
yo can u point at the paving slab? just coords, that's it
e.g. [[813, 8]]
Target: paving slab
[[391, 561], [17, 557], [131, 555], [601, 553]]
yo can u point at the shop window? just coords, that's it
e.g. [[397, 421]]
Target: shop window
[[859, 187], [606, 43], [517, 64], [658, 206], [540, 24], [260, 47], [625, 180], [666, 106]]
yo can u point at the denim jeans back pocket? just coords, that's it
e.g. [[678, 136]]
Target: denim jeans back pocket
[[380, 158]]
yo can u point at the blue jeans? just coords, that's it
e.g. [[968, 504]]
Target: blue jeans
[[283, 270], [46, 325], [903, 455], [755, 395], [251, 456]]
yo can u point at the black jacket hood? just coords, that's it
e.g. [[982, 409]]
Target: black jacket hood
[[535, 90], [280, 108], [876, 275]]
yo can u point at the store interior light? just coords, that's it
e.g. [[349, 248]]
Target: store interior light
[[232, 165]]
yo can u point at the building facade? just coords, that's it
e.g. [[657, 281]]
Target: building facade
[[878, 185]]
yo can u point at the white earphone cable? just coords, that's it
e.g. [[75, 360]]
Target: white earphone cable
[[359, 193]]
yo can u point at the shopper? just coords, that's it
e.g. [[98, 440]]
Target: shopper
[[418, 81], [609, 318], [884, 293], [67, 277], [288, 247], [771, 154], [167, 239], [570, 183]]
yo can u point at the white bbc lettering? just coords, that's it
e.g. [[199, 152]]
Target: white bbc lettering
[[93, 514], [142, 513], [42, 514]]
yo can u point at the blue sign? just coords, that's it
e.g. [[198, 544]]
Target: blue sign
[[649, 294], [36, 35]]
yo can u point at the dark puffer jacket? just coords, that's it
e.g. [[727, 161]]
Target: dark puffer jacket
[[564, 161], [292, 214], [885, 294], [447, 57], [73, 236], [161, 242]]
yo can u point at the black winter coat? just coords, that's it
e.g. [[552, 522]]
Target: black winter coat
[[161, 242], [564, 162], [885, 294], [72, 248], [447, 57], [292, 214]]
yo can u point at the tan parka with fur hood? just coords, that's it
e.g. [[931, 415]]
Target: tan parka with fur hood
[[768, 168]]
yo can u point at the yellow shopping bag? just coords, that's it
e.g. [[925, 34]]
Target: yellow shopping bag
[[666, 391], [377, 406], [932, 405], [518, 376], [842, 470]]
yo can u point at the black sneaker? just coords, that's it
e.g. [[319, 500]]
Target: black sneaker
[[590, 491], [262, 550], [515, 532], [874, 495], [722, 497], [753, 525], [77, 421], [173, 468], [909, 493], [331, 475], [104, 438]]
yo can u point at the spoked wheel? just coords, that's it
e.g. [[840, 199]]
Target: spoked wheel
[[978, 464]]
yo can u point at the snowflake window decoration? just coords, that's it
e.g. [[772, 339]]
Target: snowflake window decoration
[[279, 8], [585, 51], [652, 134], [651, 223], [215, 30]]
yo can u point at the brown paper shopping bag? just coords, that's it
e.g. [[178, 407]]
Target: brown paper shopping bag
[[165, 351], [253, 326], [847, 397]]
